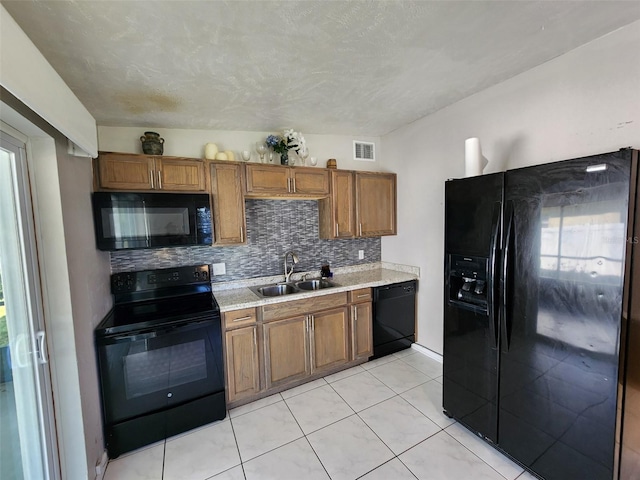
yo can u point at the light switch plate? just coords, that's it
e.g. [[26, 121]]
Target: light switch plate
[[360, 254], [219, 268]]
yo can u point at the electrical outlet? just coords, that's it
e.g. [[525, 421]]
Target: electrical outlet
[[219, 268], [360, 254]]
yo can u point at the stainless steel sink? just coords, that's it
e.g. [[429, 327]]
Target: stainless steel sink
[[275, 290], [279, 289], [314, 284]]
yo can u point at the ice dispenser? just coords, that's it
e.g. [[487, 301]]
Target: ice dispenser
[[468, 282]]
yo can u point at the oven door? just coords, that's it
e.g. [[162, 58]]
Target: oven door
[[147, 371]]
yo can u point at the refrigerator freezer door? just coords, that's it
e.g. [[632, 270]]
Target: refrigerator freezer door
[[469, 208], [472, 235], [560, 326]]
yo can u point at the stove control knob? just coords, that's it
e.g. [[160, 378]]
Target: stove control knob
[[169, 395]]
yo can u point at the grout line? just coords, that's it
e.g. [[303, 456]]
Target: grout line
[[318, 457], [302, 393], [164, 457], [474, 454], [235, 438], [255, 410]]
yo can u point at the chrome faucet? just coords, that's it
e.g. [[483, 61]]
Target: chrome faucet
[[294, 259]]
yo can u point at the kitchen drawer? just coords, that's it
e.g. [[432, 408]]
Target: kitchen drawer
[[360, 295], [239, 318], [303, 307]]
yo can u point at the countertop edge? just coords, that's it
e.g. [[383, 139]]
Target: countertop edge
[[240, 298]]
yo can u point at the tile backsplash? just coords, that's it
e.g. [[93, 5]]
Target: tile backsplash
[[273, 227]]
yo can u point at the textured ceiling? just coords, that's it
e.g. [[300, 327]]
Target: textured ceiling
[[352, 67]]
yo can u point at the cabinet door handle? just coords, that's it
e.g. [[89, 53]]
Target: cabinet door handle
[[242, 318], [288, 184], [242, 234], [294, 184], [337, 230], [313, 323], [159, 179], [355, 313], [151, 180], [360, 229], [255, 338]]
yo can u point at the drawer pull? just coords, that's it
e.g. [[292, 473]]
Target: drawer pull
[[242, 318], [363, 295]]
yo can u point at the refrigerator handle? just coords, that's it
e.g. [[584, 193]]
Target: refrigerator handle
[[504, 277], [493, 257]]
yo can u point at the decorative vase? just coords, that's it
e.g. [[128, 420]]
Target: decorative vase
[[284, 158], [210, 151], [152, 143]]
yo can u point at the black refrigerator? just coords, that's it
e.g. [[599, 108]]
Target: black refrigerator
[[537, 281]]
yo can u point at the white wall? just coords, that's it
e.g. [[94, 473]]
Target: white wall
[[584, 102], [190, 143], [75, 282], [90, 291], [30, 78]]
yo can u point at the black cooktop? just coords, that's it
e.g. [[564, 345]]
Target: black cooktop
[[154, 298]]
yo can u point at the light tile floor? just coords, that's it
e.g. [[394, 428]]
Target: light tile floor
[[378, 421]]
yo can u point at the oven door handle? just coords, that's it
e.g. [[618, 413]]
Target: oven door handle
[[149, 334]]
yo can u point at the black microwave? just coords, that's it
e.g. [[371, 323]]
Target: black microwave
[[126, 220]]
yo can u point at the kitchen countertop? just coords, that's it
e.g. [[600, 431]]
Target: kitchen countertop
[[375, 276]]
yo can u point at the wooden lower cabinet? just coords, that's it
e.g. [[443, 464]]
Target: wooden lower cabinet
[[286, 350], [361, 331], [242, 363], [285, 343], [329, 338]]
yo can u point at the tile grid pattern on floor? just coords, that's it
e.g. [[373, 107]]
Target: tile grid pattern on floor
[[381, 420]]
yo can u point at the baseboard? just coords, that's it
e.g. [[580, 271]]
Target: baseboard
[[101, 466], [425, 351]]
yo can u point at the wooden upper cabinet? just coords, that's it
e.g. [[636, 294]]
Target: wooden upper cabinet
[[126, 171], [267, 180], [309, 181], [180, 174], [129, 171], [375, 204], [336, 213], [278, 181], [329, 338], [228, 203]]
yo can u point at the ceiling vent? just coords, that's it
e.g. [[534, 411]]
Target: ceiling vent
[[364, 151]]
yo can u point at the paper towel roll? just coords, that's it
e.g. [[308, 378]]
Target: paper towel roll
[[474, 162]]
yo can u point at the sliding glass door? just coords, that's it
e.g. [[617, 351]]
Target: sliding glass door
[[26, 439]]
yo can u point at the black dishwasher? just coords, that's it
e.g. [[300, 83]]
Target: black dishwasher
[[394, 317]]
